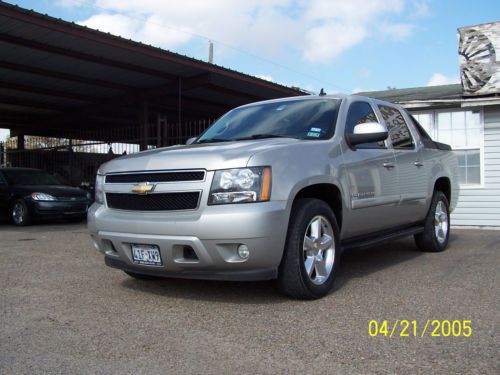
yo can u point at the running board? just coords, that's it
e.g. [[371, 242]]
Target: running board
[[377, 239]]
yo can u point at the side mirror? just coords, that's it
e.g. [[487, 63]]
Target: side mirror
[[366, 133], [191, 140]]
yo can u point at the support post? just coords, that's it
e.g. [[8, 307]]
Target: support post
[[20, 141], [144, 124], [179, 126]]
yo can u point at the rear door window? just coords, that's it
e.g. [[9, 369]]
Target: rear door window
[[398, 129]]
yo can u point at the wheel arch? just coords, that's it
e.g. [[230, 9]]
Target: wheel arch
[[443, 184], [327, 192]]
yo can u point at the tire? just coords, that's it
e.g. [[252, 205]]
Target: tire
[[436, 232], [140, 276], [19, 213], [309, 265]]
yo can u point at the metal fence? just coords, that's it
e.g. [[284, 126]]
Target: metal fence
[[75, 160]]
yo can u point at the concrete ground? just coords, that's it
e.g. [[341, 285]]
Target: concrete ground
[[63, 311]]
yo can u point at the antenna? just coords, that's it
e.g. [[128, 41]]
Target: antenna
[[322, 92], [210, 52]]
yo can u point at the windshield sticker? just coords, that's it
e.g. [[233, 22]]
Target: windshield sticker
[[316, 130], [313, 134]]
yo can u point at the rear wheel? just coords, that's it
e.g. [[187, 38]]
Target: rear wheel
[[19, 213], [436, 232], [311, 255]]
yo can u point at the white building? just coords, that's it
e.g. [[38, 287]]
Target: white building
[[467, 117]]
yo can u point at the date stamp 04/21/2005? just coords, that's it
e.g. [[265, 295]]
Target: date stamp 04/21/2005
[[413, 328]]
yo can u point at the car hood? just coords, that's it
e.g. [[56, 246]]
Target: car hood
[[211, 156], [60, 191]]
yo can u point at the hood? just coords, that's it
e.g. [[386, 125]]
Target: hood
[[211, 156], [59, 191]]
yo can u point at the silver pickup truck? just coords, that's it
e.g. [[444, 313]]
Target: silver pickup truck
[[276, 190]]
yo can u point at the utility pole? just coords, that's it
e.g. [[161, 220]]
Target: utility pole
[[210, 52]]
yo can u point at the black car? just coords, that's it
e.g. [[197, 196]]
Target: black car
[[28, 194]]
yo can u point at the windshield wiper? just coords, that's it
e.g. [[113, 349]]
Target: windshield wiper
[[213, 140], [262, 136]]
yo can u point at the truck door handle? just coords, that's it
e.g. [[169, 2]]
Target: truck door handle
[[388, 165], [418, 163]]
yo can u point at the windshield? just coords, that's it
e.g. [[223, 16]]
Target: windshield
[[301, 119], [30, 177]]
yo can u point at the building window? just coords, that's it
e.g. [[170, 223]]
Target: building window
[[462, 131]]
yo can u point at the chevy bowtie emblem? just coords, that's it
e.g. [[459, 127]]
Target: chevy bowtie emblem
[[143, 188]]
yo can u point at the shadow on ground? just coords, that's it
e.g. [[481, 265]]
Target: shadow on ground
[[355, 263]]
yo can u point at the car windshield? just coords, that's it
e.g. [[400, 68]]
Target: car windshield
[[301, 118], [30, 177]]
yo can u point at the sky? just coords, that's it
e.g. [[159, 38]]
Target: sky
[[340, 45]]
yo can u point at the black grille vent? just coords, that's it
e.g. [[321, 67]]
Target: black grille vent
[[156, 177], [153, 202]]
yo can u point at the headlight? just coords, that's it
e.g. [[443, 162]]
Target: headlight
[[98, 189], [42, 197], [241, 185]]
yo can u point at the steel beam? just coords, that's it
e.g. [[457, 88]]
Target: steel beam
[[66, 76]]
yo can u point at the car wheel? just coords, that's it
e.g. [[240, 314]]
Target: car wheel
[[436, 232], [19, 213], [312, 251], [140, 276]]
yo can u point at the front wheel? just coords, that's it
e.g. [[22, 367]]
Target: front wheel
[[436, 232], [19, 213], [312, 251]]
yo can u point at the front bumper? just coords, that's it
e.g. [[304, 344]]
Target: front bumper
[[58, 209], [213, 233]]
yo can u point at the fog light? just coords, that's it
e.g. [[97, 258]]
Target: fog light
[[243, 251]]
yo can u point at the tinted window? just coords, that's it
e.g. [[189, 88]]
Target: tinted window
[[398, 130], [359, 113], [30, 177], [2, 180], [303, 119]]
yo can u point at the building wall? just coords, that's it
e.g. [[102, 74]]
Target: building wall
[[481, 205]]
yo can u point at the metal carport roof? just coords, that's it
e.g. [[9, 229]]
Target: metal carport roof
[[56, 76]]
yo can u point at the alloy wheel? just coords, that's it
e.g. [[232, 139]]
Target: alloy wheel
[[319, 250], [441, 223]]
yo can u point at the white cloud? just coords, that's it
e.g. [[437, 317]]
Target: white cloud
[[396, 31], [438, 79], [340, 25], [265, 77], [326, 42], [421, 8], [318, 30]]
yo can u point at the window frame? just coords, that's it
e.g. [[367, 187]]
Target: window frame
[[433, 134]]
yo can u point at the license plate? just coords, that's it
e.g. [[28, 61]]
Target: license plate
[[148, 255]]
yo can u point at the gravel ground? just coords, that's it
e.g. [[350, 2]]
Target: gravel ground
[[63, 311]]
